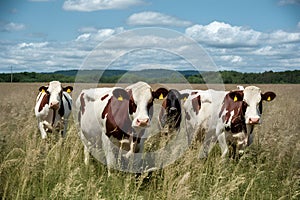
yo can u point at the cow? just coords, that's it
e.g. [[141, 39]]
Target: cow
[[240, 112], [228, 117], [200, 114], [170, 114], [115, 114], [53, 106]]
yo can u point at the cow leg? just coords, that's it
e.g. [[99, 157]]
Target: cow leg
[[48, 126], [65, 127], [86, 155], [205, 148], [42, 129], [208, 143], [222, 143], [109, 154]]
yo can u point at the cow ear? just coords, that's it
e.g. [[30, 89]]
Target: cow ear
[[120, 94], [68, 89], [43, 88], [160, 93], [184, 96], [236, 95], [268, 96]]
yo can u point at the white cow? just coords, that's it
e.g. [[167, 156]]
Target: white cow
[[201, 116], [53, 105], [107, 114]]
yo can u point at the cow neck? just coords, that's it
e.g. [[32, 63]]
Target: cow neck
[[237, 121], [68, 101]]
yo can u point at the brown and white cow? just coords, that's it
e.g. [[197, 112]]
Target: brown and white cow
[[240, 112], [230, 115], [122, 115], [53, 106]]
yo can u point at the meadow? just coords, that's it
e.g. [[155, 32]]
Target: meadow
[[32, 168]]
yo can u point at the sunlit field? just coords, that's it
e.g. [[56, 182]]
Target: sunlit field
[[32, 168]]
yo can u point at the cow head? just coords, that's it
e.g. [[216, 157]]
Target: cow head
[[54, 91], [141, 102], [172, 103], [171, 109], [251, 102]]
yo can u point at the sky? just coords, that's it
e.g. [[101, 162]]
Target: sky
[[240, 35]]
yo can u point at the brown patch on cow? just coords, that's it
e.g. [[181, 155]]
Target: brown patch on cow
[[44, 101], [194, 93], [239, 108], [196, 103], [118, 123], [82, 104], [104, 97]]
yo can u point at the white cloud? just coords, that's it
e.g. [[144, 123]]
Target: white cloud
[[280, 36], [278, 50], [232, 59], [222, 34], [10, 27], [93, 5], [154, 19], [32, 45], [95, 35], [265, 51], [83, 37]]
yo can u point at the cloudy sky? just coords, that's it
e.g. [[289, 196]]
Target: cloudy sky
[[246, 36]]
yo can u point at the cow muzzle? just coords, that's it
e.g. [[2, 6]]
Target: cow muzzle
[[173, 110], [253, 120], [54, 105], [142, 122]]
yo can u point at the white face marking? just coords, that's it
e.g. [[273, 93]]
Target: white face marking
[[252, 96], [54, 89], [142, 95]]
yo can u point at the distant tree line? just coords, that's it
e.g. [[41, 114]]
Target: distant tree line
[[157, 76]]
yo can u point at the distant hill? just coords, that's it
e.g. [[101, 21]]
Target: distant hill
[[156, 76]]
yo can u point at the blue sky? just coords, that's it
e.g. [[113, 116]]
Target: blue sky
[[246, 36]]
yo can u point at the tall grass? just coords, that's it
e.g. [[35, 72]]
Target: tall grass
[[32, 168]]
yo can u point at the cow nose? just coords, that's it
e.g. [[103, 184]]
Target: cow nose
[[253, 120], [54, 105], [173, 109], [142, 122]]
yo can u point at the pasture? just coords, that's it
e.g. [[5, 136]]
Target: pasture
[[32, 168]]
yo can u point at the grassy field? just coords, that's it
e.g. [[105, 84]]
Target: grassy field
[[32, 168]]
